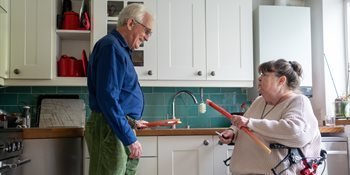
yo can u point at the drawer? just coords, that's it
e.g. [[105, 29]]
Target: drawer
[[149, 145]]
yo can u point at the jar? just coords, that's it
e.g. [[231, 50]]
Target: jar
[[341, 108]]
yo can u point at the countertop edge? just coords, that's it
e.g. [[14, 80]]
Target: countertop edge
[[48, 133]]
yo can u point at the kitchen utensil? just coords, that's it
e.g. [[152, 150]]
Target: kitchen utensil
[[169, 122], [14, 120], [85, 62], [84, 16], [245, 129], [220, 135], [202, 108]]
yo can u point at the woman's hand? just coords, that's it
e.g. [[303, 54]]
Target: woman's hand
[[239, 121], [226, 136]]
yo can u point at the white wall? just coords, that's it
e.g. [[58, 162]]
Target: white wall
[[327, 24]]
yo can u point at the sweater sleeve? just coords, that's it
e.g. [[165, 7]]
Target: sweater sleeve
[[293, 124]]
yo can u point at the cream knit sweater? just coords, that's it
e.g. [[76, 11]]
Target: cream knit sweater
[[291, 123]]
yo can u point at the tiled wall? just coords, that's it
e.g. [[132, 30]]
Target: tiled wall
[[158, 102]]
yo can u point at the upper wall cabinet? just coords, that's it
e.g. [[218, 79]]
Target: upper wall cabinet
[[4, 39], [229, 40], [181, 40], [205, 40], [106, 19], [32, 44], [284, 32]]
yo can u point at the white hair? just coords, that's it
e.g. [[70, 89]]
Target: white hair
[[135, 11]]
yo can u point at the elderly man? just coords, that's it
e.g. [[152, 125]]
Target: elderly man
[[115, 96]]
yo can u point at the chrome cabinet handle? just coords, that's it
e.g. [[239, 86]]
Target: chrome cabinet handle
[[199, 73], [212, 73], [16, 71], [150, 72], [206, 142]]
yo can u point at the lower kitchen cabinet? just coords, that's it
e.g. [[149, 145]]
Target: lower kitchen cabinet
[[147, 166], [54, 156], [148, 161], [195, 155], [221, 153], [337, 161]]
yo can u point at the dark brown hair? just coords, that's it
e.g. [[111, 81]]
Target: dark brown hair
[[292, 70]]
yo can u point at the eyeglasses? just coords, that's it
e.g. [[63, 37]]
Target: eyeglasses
[[147, 30], [266, 74]]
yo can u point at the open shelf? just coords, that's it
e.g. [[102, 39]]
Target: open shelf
[[74, 34]]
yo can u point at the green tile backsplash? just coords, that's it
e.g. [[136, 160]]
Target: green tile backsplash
[[158, 102]]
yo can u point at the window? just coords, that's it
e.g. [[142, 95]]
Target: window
[[347, 40]]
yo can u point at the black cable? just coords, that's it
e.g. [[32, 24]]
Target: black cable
[[324, 168]]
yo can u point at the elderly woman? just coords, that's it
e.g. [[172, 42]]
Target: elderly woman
[[280, 115]]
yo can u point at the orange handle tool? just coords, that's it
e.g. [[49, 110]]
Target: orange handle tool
[[169, 122], [245, 129]]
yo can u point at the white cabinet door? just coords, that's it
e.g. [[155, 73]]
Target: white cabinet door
[[285, 32], [179, 155], [147, 166], [229, 40], [144, 58], [149, 69], [221, 153], [4, 39], [148, 161], [181, 40], [32, 43]]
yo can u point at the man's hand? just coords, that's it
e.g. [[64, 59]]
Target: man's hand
[[135, 150], [140, 124]]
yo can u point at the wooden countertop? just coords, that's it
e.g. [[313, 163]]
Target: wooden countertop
[[48, 133], [211, 131]]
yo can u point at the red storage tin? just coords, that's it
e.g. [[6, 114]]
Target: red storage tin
[[69, 67], [71, 20]]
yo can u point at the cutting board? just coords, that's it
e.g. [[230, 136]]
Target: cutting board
[[62, 113]]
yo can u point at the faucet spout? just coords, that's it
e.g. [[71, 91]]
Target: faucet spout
[[174, 100]]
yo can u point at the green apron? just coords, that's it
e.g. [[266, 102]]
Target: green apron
[[108, 155]]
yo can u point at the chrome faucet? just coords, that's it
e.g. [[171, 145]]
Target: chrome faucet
[[174, 99]]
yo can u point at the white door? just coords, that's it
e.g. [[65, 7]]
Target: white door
[[181, 40], [229, 40], [32, 39], [190, 155]]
